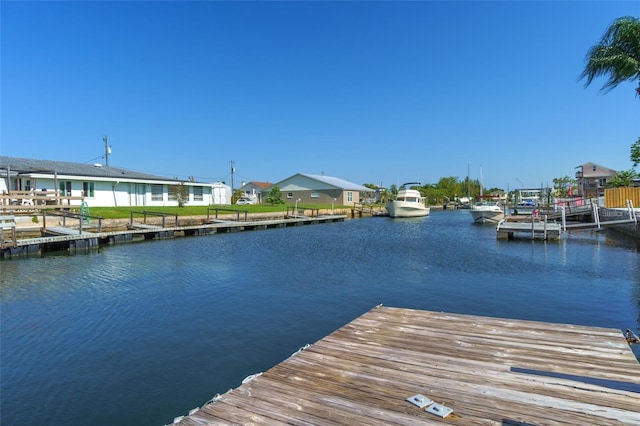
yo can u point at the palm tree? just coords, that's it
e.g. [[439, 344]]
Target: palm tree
[[616, 55], [622, 179]]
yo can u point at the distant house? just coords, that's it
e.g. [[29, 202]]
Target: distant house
[[104, 186], [255, 191], [592, 179], [321, 189]]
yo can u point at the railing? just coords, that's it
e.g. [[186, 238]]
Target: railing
[[598, 223], [366, 208], [81, 218], [36, 199], [295, 211], [8, 222], [217, 210], [148, 213], [569, 206]]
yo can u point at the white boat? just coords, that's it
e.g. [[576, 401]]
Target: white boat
[[408, 203], [484, 212], [528, 200]]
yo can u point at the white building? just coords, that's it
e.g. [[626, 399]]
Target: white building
[[104, 186]]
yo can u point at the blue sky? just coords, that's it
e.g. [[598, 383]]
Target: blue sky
[[371, 92]]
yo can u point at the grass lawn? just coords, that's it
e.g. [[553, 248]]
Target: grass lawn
[[125, 212]]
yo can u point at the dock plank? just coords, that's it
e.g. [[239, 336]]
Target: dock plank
[[489, 370], [62, 231]]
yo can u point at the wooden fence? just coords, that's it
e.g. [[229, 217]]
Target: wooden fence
[[617, 197], [27, 202]]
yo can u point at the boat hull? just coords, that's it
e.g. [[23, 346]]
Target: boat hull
[[487, 216], [407, 209]]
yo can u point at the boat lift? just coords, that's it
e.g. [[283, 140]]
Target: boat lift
[[542, 227], [597, 223]]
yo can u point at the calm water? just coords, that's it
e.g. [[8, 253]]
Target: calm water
[[141, 333]]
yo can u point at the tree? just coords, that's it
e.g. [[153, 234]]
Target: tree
[[622, 179], [393, 191], [561, 185], [635, 153], [180, 193], [237, 194], [275, 196], [616, 55]]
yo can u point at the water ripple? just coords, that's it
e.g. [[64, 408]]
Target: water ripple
[[139, 333]]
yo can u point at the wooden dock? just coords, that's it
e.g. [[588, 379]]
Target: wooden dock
[[60, 238], [528, 226], [383, 367]]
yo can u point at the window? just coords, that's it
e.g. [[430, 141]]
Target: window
[[27, 186], [88, 188], [349, 196], [289, 194], [65, 188], [156, 192], [315, 195], [197, 193], [594, 168]]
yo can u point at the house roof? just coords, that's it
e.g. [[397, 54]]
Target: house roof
[[262, 185], [32, 166], [587, 170], [337, 182], [327, 181]]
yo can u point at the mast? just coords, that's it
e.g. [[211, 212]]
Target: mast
[[468, 184]]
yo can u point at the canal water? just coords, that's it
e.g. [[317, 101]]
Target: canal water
[[137, 334]]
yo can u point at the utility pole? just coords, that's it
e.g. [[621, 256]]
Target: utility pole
[[232, 171], [107, 150]]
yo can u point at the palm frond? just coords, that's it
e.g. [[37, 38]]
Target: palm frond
[[617, 55]]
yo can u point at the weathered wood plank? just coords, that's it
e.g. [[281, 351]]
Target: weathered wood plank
[[401, 372], [489, 370]]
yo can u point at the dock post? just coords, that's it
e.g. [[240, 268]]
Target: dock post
[[14, 235], [533, 227]]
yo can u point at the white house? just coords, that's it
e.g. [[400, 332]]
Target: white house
[[321, 189], [254, 191], [104, 186]]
